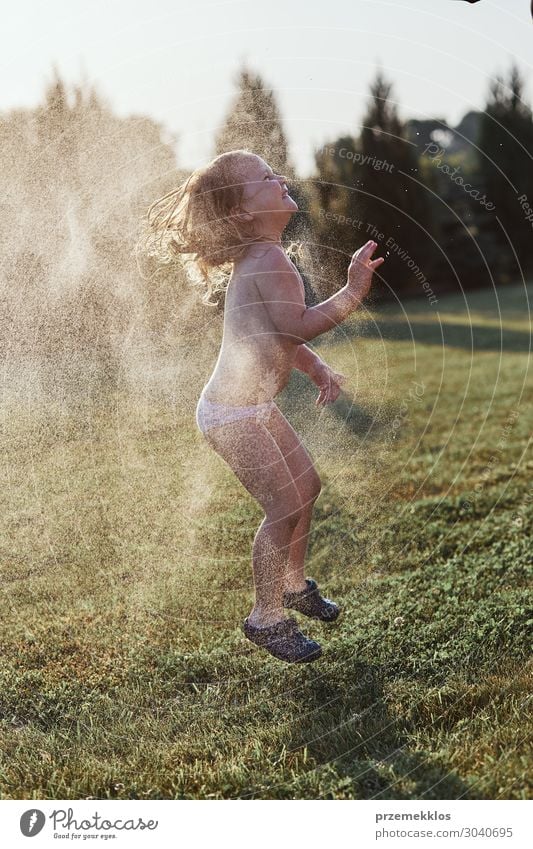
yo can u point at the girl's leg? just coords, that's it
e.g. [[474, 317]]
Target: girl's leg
[[270, 554], [307, 480], [295, 574], [255, 458]]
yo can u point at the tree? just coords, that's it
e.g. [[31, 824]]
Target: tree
[[76, 179], [254, 123], [335, 208], [506, 162], [394, 200], [371, 187]]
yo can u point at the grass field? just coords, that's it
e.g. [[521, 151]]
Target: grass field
[[126, 577]]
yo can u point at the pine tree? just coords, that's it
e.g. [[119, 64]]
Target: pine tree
[[365, 189], [335, 209], [254, 123], [393, 198], [505, 160]]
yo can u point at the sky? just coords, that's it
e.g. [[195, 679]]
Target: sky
[[177, 60]]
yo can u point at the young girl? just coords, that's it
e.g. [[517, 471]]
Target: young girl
[[234, 210]]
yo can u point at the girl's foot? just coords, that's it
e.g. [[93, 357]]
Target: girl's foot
[[311, 603], [264, 619], [284, 640]]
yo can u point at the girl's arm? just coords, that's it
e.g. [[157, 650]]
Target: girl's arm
[[328, 381], [310, 363], [282, 293]]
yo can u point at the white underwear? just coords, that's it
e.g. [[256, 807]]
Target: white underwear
[[209, 414]]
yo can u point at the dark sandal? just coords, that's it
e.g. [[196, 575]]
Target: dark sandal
[[284, 640], [311, 603]]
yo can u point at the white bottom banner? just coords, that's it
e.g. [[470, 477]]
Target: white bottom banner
[[255, 824]]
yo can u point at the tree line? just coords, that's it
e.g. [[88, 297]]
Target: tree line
[[451, 207]]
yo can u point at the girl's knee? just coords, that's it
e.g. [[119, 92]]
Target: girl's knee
[[288, 515], [311, 490]]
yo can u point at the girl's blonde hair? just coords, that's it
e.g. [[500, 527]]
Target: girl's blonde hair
[[197, 221]]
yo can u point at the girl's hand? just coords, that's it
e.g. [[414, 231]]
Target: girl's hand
[[362, 268], [329, 382]]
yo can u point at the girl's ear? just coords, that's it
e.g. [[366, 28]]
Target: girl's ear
[[240, 214]]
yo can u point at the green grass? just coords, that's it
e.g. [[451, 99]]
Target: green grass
[[126, 576]]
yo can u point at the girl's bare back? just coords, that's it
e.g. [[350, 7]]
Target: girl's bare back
[[255, 359]]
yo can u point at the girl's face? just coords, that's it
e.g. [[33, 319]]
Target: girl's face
[[265, 193]]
